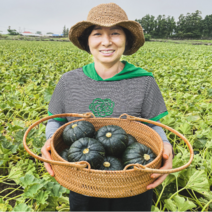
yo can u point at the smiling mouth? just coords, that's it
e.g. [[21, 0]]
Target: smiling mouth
[[107, 51]]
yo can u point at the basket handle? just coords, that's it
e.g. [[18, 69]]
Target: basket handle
[[81, 164], [160, 171]]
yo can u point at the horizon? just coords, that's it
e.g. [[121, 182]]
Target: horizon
[[51, 16]]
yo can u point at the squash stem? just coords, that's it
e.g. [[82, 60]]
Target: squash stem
[[177, 192], [177, 183], [9, 183], [12, 192], [14, 197], [160, 196], [206, 206], [197, 201]]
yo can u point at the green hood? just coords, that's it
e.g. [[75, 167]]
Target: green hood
[[129, 71]]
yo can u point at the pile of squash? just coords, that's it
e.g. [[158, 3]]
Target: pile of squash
[[110, 148]]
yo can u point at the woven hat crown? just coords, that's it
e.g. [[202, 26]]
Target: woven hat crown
[[107, 14]]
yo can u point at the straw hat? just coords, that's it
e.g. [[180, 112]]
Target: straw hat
[[108, 15]]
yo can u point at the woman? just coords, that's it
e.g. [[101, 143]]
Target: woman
[[115, 86]]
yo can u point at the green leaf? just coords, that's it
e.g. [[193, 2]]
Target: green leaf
[[19, 123], [179, 204], [41, 197], [42, 129], [7, 145], [47, 94], [3, 205], [63, 199], [15, 174], [52, 204], [170, 205], [211, 163], [185, 128], [32, 190], [4, 158], [55, 189], [193, 118], [22, 207], [177, 161], [27, 180], [210, 92], [38, 142], [185, 175], [207, 195], [202, 200], [169, 179], [30, 87], [209, 144], [182, 204], [200, 143], [198, 182]]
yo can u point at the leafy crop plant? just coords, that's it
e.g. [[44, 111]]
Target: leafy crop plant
[[29, 72]]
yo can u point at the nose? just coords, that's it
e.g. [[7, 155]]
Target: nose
[[106, 40]]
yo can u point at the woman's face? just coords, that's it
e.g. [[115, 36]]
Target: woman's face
[[107, 44]]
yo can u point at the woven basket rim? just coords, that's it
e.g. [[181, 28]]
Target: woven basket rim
[[106, 171]]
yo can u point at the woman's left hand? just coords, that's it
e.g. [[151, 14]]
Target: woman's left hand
[[167, 164]]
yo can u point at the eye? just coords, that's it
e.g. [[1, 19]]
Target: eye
[[97, 33], [115, 33]]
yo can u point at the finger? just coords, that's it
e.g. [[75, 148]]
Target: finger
[[167, 151], [157, 182], [167, 164], [48, 147], [45, 152], [48, 166], [47, 155], [165, 156], [48, 144], [49, 169]]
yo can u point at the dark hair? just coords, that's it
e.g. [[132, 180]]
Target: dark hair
[[83, 39]]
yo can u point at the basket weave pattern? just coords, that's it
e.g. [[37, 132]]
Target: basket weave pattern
[[108, 184]]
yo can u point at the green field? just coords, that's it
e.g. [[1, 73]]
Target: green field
[[29, 72], [194, 42]]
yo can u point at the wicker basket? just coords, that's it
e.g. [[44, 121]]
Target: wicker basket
[[80, 178]]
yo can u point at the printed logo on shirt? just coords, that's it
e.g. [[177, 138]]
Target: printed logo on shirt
[[102, 107]]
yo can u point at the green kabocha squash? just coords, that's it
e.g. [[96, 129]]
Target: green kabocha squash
[[111, 163], [87, 149], [138, 153], [131, 140], [64, 154], [113, 138], [77, 130]]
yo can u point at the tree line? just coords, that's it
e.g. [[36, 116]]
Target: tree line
[[65, 31], [190, 26]]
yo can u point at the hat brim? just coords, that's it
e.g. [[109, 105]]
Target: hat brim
[[133, 26]]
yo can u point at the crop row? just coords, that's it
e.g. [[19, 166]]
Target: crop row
[[29, 72]]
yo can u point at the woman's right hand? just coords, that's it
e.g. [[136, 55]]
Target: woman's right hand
[[46, 154]]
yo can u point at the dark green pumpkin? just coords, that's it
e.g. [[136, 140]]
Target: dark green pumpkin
[[113, 138], [77, 130], [111, 163], [131, 140], [87, 149], [64, 154], [138, 153]]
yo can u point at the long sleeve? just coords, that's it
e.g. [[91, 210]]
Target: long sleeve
[[52, 126], [161, 133]]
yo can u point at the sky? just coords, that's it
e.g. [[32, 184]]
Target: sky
[[53, 15]]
